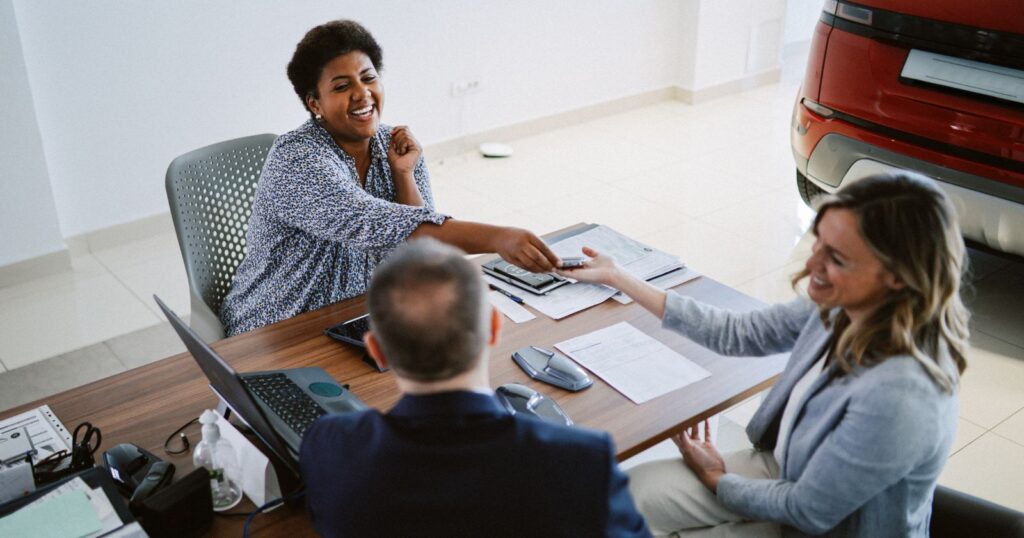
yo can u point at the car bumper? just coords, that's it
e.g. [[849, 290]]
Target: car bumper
[[990, 212]]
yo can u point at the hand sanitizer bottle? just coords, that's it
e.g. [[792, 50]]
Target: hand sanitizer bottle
[[218, 457]]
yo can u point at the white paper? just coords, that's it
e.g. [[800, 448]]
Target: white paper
[[510, 308], [664, 282], [109, 520], [256, 475], [48, 434], [16, 480], [633, 363], [634, 257], [561, 302]]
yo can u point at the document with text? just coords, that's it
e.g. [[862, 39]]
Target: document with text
[[633, 363]]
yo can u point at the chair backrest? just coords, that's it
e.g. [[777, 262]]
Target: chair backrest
[[210, 191], [956, 514]]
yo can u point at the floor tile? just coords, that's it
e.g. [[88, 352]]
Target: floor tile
[[57, 374], [617, 208], [727, 257], [145, 346], [984, 264], [1012, 428], [992, 387], [988, 468], [140, 251], [998, 304], [966, 433], [163, 276], [777, 220], [83, 268], [691, 188], [68, 317], [776, 286]]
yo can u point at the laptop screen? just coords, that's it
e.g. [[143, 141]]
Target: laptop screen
[[226, 383]]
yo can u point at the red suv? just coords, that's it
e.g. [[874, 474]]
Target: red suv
[[934, 86]]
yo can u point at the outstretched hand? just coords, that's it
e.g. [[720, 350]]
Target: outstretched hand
[[523, 248], [600, 268], [701, 456]]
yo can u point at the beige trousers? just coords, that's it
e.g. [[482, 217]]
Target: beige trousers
[[675, 503]]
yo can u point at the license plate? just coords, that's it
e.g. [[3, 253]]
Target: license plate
[[966, 75]]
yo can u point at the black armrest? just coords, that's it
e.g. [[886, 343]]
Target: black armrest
[[956, 514]]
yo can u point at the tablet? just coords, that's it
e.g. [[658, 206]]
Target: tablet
[[351, 331]]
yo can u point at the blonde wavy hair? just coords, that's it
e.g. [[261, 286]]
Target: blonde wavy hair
[[911, 226]]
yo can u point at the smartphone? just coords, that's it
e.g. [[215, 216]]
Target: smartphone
[[351, 331], [572, 263]]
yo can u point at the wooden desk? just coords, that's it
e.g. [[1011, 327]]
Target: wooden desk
[[146, 404]]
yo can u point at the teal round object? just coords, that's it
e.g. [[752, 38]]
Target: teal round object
[[327, 390]]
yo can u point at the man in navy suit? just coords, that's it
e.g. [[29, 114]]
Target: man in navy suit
[[448, 459]]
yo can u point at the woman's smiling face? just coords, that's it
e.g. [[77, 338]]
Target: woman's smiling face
[[844, 271], [351, 98]]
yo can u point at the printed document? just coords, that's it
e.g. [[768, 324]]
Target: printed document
[[633, 363], [561, 302], [634, 257]]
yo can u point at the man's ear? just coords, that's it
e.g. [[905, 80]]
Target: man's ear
[[495, 327], [373, 349]]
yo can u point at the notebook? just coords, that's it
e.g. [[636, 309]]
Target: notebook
[[277, 405]]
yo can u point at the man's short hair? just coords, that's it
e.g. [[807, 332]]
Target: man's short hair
[[428, 311]]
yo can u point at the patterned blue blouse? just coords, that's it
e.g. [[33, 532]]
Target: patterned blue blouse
[[316, 235]]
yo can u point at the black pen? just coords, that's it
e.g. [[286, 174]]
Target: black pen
[[505, 293]]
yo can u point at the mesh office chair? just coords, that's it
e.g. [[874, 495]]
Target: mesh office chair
[[210, 191]]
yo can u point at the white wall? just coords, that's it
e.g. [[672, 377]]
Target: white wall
[[28, 218], [123, 87], [120, 88], [737, 39], [801, 17]]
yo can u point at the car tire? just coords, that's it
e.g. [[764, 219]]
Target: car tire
[[808, 190]]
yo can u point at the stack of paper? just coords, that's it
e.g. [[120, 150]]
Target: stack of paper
[[73, 509], [634, 257], [644, 262]]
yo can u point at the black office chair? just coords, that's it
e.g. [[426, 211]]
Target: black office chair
[[210, 192], [958, 515]]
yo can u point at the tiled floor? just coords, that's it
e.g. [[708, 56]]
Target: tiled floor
[[712, 183]]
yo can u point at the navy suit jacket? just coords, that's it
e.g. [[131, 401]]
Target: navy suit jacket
[[458, 464]]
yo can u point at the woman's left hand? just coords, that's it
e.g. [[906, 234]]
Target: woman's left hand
[[701, 456], [403, 152]]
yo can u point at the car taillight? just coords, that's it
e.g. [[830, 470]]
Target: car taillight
[[858, 14], [1000, 47]]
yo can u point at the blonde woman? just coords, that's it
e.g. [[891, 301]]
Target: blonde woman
[[851, 439]]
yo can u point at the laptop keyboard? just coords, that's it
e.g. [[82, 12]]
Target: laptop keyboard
[[286, 399]]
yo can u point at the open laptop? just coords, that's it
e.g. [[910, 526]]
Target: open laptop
[[277, 405]]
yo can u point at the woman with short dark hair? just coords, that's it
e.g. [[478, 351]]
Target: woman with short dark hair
[[851, 439], [342, 191]]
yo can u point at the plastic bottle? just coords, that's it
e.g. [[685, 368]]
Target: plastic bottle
[[217, 455]]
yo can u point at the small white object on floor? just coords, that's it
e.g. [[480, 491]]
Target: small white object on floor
[[494, 149]]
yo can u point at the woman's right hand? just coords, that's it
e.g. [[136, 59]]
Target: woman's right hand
[[600, 268], [523, 248]]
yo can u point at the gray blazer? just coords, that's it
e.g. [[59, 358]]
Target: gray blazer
[[865, 450]]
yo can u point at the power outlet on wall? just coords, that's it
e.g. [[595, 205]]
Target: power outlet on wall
[[462, 87]]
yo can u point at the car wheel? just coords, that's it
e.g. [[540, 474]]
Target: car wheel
[[808, 190]]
